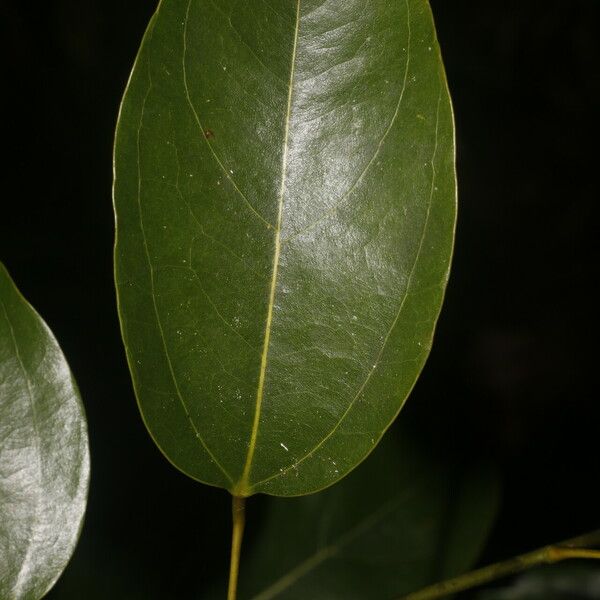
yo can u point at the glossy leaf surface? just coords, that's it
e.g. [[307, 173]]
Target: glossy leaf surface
[[403, 520], [285, 203], [44, 459]]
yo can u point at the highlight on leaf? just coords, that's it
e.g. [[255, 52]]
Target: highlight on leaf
[[285, 202], [44, 456]]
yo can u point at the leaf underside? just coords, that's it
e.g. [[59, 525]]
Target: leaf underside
[[406, 518], [44, 458], [285, 204]]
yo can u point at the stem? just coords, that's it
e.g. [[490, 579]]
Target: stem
[[546, 555], [239, 518], [587, 540]]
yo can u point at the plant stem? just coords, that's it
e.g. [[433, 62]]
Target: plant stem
[[238, 511], [587, 540], [546, 555]]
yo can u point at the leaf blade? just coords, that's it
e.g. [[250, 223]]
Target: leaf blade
[[298, 236], [44, 458]]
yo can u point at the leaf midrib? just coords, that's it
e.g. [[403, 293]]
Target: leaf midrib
[[279, 242], [310, 453], [242, 488]]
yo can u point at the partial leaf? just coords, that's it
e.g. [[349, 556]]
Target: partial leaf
[[285, 205], [403, 520], [565, 581], [44, 459]]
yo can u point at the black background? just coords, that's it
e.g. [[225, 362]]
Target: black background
[[512, 375]]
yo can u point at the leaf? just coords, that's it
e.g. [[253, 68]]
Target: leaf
[[44, 459], [403, 520], [285, 206], [564, 581]]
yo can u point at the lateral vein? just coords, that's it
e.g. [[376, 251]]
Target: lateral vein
[[153, 293], [394, 322], [202, 130], [338, 203]]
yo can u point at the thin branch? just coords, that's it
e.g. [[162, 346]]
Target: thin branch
[[547, 555]]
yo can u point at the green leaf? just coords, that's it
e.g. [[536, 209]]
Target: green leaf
[[564, 581], [285, 205], [44, 459], [403, 520]]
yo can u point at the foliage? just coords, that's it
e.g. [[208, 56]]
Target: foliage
[[44, 458], [285, 201]]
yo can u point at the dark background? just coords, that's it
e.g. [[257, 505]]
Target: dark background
[[512, 375]]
